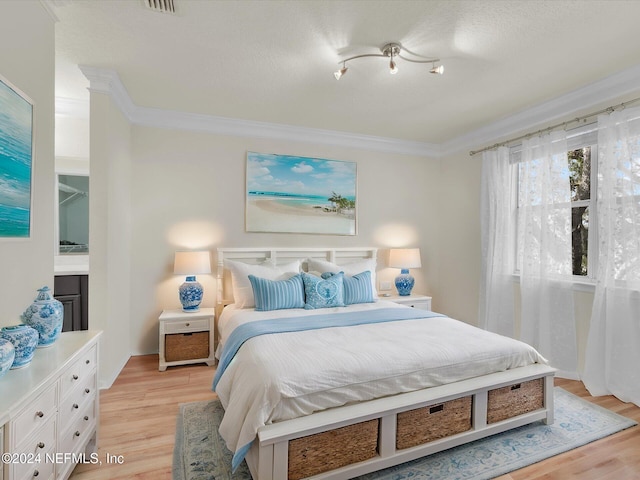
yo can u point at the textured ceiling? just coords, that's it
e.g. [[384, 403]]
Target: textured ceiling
[[273, 61]]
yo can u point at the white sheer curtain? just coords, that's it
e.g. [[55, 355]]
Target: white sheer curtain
[[612, 364], [544, 251], [496, 311]]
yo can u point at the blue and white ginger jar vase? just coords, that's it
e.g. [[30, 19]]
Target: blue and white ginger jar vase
[[7, 354], [45, 314], [24, 340], [190, 294]]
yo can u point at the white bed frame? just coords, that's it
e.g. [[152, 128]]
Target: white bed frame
[[268, 457]]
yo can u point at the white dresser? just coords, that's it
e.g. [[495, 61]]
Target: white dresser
[[50, 408]]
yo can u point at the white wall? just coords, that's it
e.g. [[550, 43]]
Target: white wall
[[459, 255], [27, 61], [72, 137], [110, 235], [188, 191]]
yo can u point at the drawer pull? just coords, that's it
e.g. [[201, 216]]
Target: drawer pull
[[437, 408], [41, 445], [86, 418], [75, 377], [39, 414], [75, 406], [187, 324], [87, 361], [516, 386], [77, 434], [86, 390], [36, 473]]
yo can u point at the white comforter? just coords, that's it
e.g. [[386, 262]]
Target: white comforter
[[276, 377]]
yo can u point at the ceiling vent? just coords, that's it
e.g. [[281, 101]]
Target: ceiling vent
[[162, 6]]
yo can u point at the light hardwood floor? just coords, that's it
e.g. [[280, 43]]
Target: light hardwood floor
[[138, 418]]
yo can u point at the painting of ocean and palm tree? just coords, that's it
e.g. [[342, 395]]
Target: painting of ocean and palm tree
[[16, 115], [300, 195]]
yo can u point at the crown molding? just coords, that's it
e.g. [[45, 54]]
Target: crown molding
[[108, 82], [613, 87], [561, 108], [48, 5], [153, 117]]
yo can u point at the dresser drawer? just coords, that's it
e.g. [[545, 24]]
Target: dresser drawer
[[71, 406], [78, 371], [186, 326], [76, 435], [36, 413], [39, 471], [31, 453]]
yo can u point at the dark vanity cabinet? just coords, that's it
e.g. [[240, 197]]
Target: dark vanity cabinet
[[73, 292]]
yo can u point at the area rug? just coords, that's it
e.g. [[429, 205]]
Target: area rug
[[200, 452]]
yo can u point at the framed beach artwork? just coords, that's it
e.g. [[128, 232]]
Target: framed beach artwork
[[16, 162], [289, 194]]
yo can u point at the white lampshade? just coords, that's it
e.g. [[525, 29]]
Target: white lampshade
[[192, 263], [404, 258]]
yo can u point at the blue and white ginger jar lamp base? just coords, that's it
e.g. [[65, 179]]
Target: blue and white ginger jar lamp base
[[24, 340], [190, 294], [404, 282], [7, 354], [45, 314]]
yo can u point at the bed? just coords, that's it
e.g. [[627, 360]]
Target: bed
[[310, 402]]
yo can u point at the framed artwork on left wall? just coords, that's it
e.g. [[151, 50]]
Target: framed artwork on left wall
[[16, 162]]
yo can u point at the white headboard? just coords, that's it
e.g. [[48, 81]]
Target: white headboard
[[283, 255]]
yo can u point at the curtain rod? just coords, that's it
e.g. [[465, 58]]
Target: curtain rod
[[558, 125]]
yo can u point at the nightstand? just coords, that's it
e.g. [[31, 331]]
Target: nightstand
[[186, 337], [416, 301]]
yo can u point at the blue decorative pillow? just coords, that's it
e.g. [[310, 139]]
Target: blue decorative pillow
[[323, 293], [357, 289], [277, 294]]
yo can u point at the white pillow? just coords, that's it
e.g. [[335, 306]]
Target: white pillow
[[242, 290], [352, 268]]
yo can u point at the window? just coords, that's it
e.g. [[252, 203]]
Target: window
[[582, 144], [580, 181]]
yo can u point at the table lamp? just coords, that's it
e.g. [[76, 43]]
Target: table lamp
[[404, 258], [190, 264]]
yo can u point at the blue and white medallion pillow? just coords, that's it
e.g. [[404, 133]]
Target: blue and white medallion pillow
[[323, 292]]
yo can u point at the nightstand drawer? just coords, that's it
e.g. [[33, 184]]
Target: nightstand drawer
[[421, 302], [186, 346], [420, 305], [186, 326]]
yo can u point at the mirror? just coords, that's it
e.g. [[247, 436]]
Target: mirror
[[73, 214]]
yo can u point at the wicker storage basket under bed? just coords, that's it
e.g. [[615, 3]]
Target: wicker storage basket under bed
[[186, 346], [423, 425], [333, 449], [514, 400]]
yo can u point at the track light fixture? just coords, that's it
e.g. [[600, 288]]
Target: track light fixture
[[339, 73], [391, 51]]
